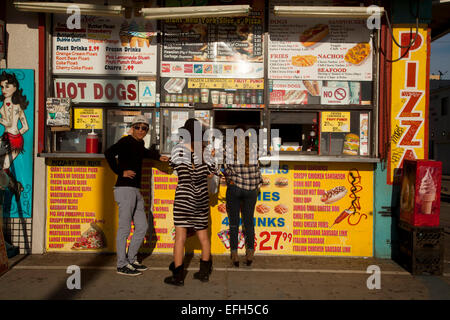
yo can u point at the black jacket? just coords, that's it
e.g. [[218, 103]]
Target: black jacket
[[130, 154]]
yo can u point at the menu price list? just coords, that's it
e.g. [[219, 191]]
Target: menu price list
[[164, 189], [213, 39], [68, 185], [312, 233]]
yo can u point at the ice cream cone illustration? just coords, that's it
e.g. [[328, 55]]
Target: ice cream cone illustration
[[133, 42], [427, 192], [125, 40], [225, 238], [142, 42], [123, 34]]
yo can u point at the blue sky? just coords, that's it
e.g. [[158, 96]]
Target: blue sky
[[440, 56]]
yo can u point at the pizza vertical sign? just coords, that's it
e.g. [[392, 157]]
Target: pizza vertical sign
[[409, 114]]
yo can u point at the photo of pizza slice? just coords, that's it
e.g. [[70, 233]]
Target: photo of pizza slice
[[358, 53], [93, 238]]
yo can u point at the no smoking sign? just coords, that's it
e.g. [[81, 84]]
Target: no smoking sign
[[335, 95]]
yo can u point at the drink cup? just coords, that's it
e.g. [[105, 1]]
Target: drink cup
[[224, 237], [241, 240], [223, 98], [215, 97], [230, 97], [204, 93]]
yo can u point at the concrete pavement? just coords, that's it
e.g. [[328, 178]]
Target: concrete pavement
[[44, 277]]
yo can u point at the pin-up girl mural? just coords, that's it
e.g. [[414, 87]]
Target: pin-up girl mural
[[12, 112]]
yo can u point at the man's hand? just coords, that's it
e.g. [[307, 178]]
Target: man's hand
[[163, 158], [129, 174]]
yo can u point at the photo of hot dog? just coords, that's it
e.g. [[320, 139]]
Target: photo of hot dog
[[294, 97], [314, 34], [262, 208], [312, 87], [281, 209], [281, 182], [333, 195]]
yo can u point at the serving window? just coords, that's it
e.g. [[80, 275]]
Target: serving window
[[322, 75]]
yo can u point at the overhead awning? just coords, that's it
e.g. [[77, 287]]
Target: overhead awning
[[440, 21]]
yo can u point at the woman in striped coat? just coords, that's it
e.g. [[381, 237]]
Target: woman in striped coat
[[191, 205]]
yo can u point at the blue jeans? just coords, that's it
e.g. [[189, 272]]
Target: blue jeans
[[241, 200]]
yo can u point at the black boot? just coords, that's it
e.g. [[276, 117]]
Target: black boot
[[177, 277], [14, 186], [205, 271]]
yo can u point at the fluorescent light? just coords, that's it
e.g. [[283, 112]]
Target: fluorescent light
[[323, 11], [61, 7], [195, 12]]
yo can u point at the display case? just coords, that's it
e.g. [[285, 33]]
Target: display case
[[344, 133]]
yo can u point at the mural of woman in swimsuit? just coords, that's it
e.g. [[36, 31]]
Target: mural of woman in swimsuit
[[11, 112]]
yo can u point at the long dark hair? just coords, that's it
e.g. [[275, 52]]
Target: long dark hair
[[18, 97]]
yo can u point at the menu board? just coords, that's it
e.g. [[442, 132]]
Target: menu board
[[82, 213], [319, 49], [308, 209], [104, 45], [164, 186], [213, 47]]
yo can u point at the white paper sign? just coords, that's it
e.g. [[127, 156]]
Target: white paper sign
[[319, 49], [147, 92], [105, 45], [97, 90]]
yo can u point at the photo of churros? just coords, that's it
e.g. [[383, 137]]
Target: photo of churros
[[281, 209], [313, 87], [262, 208]]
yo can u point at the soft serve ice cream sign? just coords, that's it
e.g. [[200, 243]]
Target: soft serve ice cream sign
[[427, 192]]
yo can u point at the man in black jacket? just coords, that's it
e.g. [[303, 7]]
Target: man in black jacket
[[130, 152]]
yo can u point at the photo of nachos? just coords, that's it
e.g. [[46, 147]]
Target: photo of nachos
[[304, 61], [358, 53]]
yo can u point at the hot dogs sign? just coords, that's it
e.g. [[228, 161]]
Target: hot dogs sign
[[329, 49]]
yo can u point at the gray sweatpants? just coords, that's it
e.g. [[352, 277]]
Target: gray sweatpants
[[131, 208]]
